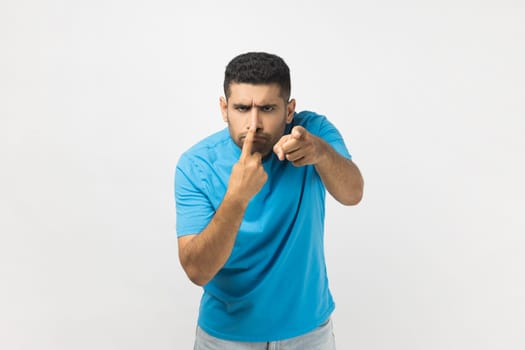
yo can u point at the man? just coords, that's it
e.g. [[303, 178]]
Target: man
[[250, 203]]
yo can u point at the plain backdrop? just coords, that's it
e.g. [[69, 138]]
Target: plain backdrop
[[98, 99]]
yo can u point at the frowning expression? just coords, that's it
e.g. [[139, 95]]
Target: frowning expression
[[261, 105]]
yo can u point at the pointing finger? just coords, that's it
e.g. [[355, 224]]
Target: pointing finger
[[248, 140], [253, 118], [248, 143], [278, 147], [278, 150]]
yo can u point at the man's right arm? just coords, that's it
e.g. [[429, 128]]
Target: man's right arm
[[203, 255]]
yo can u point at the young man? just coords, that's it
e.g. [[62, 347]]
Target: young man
[[250, 203]]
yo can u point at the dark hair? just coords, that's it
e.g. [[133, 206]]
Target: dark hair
[[258, 68]]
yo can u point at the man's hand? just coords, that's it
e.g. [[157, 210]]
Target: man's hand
[[340, 176], [300, 147], [248, 175]]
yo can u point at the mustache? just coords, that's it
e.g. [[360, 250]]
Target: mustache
[[257, 134]]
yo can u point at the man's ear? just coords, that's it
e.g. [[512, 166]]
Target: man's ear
[[224, 108], [290, 110]]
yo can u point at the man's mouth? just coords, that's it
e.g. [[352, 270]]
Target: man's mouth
[[259, 139], [256, 138]]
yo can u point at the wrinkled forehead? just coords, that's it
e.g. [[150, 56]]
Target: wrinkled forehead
[[258, 94]]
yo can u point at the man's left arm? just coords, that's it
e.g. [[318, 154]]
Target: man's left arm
[[340, 175]]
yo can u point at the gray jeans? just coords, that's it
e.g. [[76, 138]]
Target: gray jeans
[[321, 338]]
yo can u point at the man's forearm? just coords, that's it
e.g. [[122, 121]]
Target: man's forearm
[[203, 255], [206, 253], [340, 176]]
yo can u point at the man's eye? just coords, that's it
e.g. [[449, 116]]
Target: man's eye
[[242, 108], [267, 108]]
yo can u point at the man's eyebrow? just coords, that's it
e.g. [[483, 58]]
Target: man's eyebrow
[[268, 105], [243, 105], [237, 105]]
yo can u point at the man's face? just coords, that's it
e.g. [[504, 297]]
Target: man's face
[[261, 105]]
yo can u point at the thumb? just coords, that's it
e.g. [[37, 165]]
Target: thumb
[[298, 132]]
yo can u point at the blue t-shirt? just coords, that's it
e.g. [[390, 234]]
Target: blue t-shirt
[[274, 285]]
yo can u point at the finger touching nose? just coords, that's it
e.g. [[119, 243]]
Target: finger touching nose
[[254, 119]]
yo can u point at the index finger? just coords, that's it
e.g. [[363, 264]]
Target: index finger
[[248, 140], [248, 143]]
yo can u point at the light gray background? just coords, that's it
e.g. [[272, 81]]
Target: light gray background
[[99, 98]]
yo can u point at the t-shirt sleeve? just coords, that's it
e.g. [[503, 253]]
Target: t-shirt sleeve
[[329, 133], [193, 207]]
